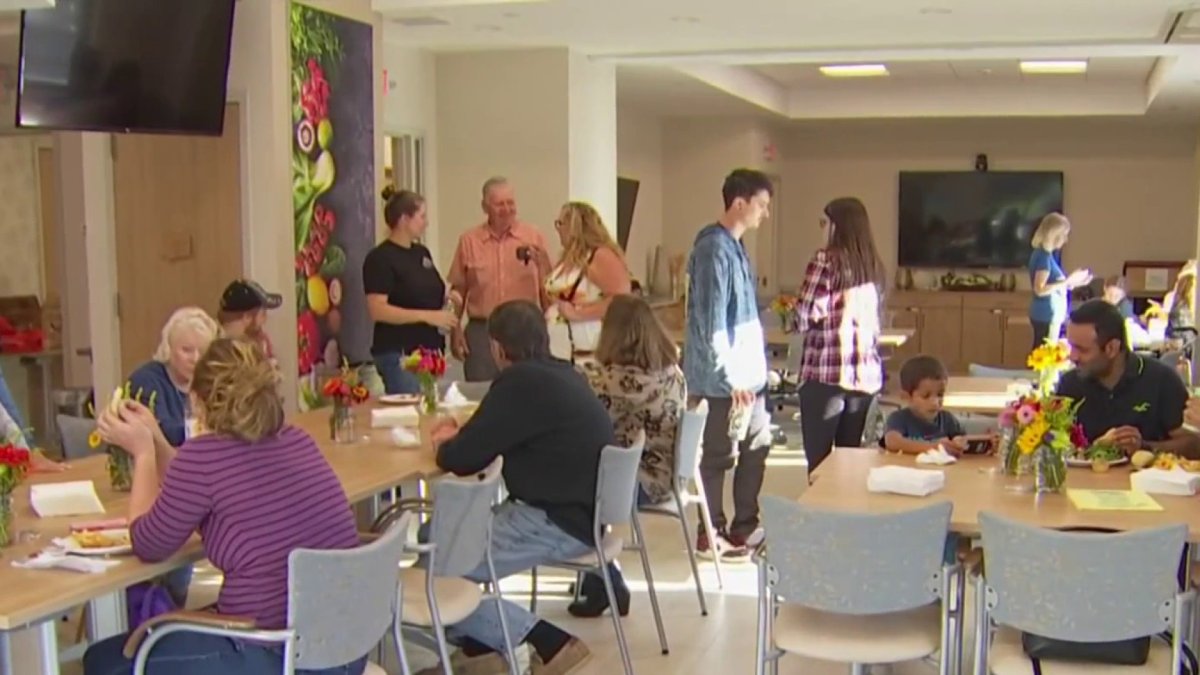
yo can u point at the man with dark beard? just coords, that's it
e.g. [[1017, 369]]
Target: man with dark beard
[[1127, 399]]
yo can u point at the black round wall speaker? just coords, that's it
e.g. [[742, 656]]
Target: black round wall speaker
[[981, 162]]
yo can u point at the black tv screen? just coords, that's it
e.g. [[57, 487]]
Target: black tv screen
[[151, 66], [973, 219]]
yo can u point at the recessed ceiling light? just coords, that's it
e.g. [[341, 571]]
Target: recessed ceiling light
[[855, 70], [1054, 67], [937, 10]]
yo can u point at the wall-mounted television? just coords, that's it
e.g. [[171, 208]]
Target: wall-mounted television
[[150, 66], [973, 219]]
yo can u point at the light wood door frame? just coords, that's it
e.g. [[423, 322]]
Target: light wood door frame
[[179, 233]]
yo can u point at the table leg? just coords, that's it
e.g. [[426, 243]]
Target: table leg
[[6, 653], [106, 616], [48, 640]]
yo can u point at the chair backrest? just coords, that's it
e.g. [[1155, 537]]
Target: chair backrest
[[856, 563], [462, 520], [74, 432], [616, 482], [340, 603], [689, 441], [977, 370], [1081, 586]]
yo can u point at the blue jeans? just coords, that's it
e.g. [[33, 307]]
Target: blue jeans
[[396, 380], [10, 405], [523, 537], [196, 654]]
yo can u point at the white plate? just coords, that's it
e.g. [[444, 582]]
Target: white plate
[[73, 546], [1073, 461], [399, 399]]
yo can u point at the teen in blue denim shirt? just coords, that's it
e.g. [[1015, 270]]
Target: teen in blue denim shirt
[[725, 361]]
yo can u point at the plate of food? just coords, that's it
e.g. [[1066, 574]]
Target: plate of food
[[1147, 459], [399, 399], [1098, 454], [99, 542]]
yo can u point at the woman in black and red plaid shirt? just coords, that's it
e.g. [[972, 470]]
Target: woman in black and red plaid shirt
[[839, 314]]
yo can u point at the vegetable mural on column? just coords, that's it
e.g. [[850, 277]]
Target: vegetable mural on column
[[333, 189]]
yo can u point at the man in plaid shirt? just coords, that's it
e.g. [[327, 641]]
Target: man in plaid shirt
[[725, 364]]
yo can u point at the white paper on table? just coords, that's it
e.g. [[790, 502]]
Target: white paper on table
[[937, 457], [454, 397], [74, 498], [1161, 482], [404, 438], [902, 480], [51, 559], [394, 416], [1157, 279]]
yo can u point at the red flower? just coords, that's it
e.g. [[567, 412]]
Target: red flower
[[1078, 437]]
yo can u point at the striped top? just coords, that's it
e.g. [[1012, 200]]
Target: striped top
[[253, 504]]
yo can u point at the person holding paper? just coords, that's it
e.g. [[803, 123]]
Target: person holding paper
[[255, 487], [1126, 399]]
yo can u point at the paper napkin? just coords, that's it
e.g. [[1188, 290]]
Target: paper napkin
[[74, 498], [905, 481], [937, 456]]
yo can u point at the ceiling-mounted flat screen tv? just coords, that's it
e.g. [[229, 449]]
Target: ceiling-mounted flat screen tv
[[973, 219], [149, 66]]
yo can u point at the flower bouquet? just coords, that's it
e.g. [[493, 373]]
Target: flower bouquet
[[784, 306], [428, 365], [1040, 428], [14, 464], [346, 390], [120, 462]]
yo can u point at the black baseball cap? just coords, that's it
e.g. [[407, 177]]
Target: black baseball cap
[[244, 295]]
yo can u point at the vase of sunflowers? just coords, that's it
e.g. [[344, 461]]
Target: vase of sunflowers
[[119, 463], [1039, 429], [784, 306]]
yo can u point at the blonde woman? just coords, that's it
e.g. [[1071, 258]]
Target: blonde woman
[[1180, 303], [168, 376], [637, 377], [1048, 308], [590, 273], [256, 489]]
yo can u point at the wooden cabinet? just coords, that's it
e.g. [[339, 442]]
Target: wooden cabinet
[[962, 328]]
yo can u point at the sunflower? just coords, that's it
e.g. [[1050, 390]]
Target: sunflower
[[94, 440]]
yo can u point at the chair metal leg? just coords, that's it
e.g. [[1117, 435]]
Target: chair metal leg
[[439, 631], [509, 654], [533, 591], [612, 602], [982, 630], [398, 637], [710, 531], [691, 550], [760, 637], [960, 598], [636, 526]]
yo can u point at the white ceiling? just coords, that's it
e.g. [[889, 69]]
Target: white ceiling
[[947, 57]]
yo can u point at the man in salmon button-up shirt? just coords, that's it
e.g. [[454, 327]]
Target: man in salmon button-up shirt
[[503, 259]]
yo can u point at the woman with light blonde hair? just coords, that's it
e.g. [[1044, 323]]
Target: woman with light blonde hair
[[255, 487], [1180, 302], [1048, 308], [589, 274]]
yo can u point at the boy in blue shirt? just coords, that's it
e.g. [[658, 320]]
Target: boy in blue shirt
[[923, 424]]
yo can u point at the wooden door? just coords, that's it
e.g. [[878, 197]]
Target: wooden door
[[1018, 340], [178, 228], [941, 334], [982, 336]]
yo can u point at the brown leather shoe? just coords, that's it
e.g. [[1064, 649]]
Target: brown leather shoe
[[571, 656], [491, 663]]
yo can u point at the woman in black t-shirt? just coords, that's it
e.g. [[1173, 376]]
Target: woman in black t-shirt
[[406, 296]]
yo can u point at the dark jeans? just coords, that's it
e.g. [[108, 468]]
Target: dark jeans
[[396, 380], [1043, 330], [479, 365], [750, 459], [196, 654], [830, 415]]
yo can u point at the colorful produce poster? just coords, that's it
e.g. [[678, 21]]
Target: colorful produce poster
[[333, 189]]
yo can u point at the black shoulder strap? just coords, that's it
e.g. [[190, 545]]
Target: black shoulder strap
[[582, 274]]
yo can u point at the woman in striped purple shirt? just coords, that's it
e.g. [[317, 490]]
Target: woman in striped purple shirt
[[255, 487]]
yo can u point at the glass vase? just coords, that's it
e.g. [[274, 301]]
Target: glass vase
[[6, 517], [120, 469], [1050, 471], [429, 395], [341, 424]]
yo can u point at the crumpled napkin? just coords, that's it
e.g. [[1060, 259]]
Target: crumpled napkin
[[55, 559], [404, 438], [937, 457], [454, 397]]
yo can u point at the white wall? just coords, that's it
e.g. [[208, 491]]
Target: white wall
[[640, 157], [410, 107]]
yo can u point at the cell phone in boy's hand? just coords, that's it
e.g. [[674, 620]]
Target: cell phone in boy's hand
[[978, 445]]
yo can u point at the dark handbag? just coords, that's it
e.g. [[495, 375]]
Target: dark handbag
[[1133, 652]]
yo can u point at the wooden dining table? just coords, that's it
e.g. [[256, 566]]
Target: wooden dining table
[[840, 483], [38, 598]]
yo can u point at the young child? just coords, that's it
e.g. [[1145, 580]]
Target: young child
[[923, 425], [243, 313], [1115, 294]]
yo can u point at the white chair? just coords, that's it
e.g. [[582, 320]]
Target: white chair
[[616, 486], [459, 539], [1080, 587], [687, 462], [340, 603], [857, 588]]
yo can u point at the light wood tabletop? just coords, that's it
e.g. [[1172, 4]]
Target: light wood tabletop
[[365, 469], [840, 483]]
